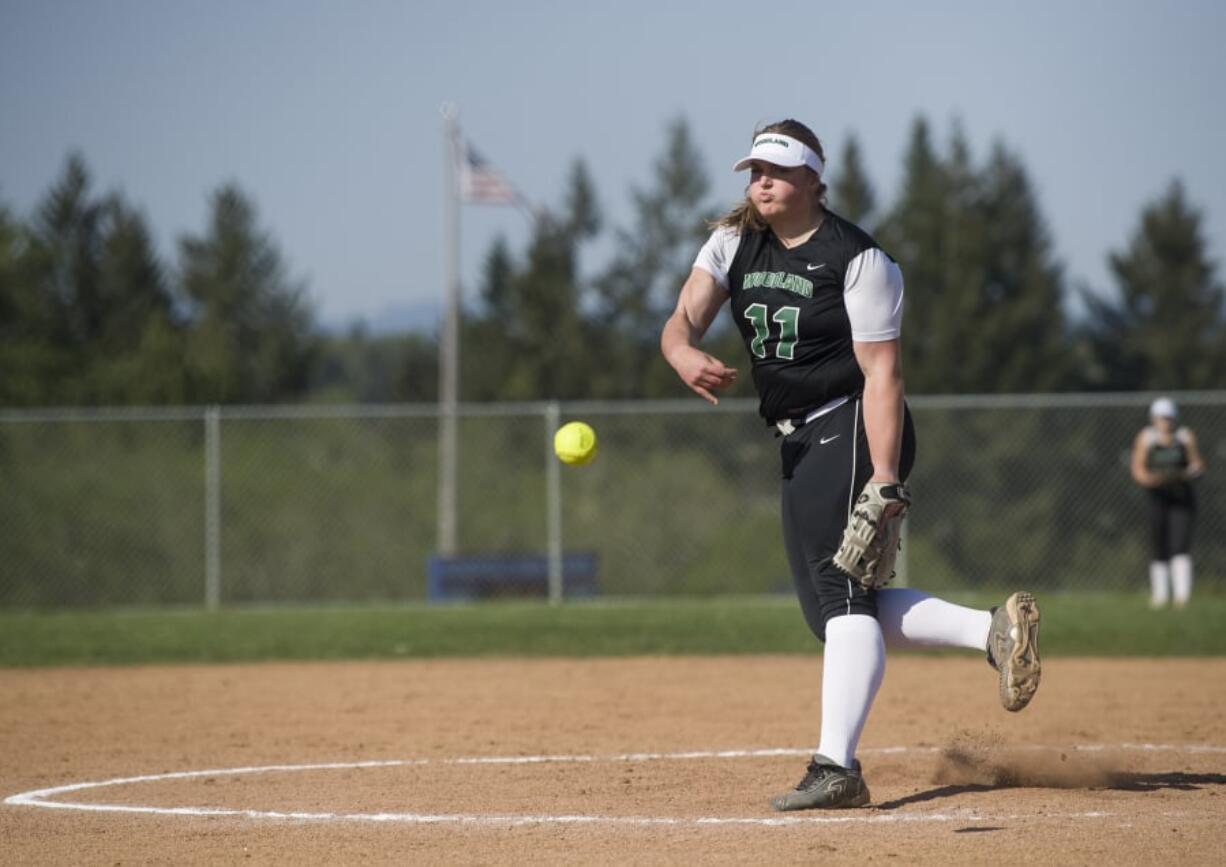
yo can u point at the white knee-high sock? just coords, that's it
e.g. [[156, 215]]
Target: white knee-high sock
[[1181, 577], [852, 668], [1159, 582], [912, 618]]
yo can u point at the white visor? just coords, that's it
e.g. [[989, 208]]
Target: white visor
[[1163, 407], [781, 150]]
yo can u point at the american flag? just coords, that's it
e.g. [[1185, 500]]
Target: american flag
[[482, 184]]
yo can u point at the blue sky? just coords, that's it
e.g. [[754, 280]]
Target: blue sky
[[327, 113]]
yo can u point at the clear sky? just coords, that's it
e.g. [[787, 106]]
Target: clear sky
[[327, 113]]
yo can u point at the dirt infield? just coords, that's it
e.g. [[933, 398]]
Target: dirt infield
[[646, 760]]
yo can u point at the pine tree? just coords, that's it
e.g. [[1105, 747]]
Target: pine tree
[[914, 233], [583, 217], [95, 311], [1167, 328], [1023, 334], [131, 281], [530, 338], [250, 334], [983, 302], [497, 275], [639, 287], [983, 314], [137, 353], [654, 256], [66, 242], [851, 193], [32, 362]]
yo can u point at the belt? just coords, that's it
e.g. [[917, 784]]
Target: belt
[[789, 425]]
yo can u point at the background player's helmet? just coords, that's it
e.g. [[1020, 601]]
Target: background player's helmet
[[1163, 407]]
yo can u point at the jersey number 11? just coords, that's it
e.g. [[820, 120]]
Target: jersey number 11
[[787, 317]]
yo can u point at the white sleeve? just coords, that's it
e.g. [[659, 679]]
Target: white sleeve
[[715, 257], [872, 293]]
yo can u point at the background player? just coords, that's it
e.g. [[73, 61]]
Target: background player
[[1165, 460], [819, 306]]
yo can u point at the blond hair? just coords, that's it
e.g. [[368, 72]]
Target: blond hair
[[744, 216]]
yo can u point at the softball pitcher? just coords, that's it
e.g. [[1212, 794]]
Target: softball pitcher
[[819, 305]]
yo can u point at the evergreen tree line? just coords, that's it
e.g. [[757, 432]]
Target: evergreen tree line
[[90, 315]]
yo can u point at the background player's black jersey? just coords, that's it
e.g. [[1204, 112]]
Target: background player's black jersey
[[788, 305], [1169, 461]]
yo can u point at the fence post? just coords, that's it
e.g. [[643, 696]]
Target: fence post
[[212, 508], [553, 503], [900, 565]]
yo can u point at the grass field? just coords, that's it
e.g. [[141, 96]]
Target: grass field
[[1073, 624]]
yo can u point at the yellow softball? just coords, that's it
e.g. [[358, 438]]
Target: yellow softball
[[575, 443]]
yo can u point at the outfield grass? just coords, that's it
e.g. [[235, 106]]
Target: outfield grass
[[1081, 624]]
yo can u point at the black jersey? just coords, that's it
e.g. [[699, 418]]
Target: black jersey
[[1169, 461], [789, 307]]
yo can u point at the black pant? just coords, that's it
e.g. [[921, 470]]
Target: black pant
[[1171, 517], [825, 465]]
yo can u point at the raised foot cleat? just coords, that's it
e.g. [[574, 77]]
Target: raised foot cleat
[[1013, 649], [826, 786]]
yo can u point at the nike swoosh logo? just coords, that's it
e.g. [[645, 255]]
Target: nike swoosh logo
[[814, 267], [825, 440]]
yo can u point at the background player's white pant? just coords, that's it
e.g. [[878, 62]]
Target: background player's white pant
[[1159, 583], [1181, 578]]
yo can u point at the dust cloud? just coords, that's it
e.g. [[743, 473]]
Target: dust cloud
[[972, 759]]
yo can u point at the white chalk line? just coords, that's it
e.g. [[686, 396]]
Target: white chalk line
[[40, 797]]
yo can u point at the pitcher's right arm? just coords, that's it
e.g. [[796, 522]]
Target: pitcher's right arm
[[700, 300]]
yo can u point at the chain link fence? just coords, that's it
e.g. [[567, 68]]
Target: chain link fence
[[317, 505]]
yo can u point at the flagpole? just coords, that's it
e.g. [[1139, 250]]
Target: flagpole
[[449, 339]]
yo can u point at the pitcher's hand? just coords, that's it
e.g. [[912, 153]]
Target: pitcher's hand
[[703, 373]]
